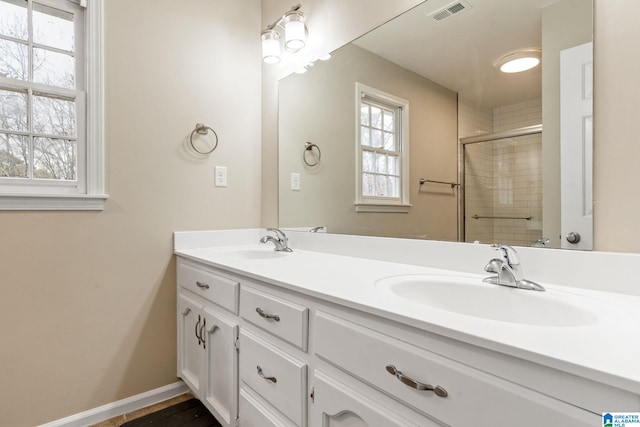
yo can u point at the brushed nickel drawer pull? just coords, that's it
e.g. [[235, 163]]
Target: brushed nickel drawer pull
[[202, 285], [272, 379], [439, 391], [197, 329], [203, 328], [266, 315]]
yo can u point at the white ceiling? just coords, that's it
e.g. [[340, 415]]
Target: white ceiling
[[459, 52]]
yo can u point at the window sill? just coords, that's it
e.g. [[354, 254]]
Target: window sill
[[52, 202], [382, 208]]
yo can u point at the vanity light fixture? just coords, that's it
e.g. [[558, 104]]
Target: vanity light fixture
[[295, 35], [519, 60]]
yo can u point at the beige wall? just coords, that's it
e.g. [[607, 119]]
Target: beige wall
[[87, 300], [616, 112], [318, 106]]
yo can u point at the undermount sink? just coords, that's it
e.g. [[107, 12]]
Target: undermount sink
[[469, 296], [255, 254]]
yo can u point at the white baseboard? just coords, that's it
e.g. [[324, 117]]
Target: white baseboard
[[124, 406]]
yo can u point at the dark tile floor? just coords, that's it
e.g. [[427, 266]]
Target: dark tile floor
[[117, 421]]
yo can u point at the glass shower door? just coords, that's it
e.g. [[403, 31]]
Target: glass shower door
[[503, 189]]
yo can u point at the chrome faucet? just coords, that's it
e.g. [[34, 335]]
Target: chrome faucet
[[509, 270], [541, 242], [280, 240]]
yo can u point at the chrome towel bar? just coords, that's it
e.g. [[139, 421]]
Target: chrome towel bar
[[452, 184], [527, 218]]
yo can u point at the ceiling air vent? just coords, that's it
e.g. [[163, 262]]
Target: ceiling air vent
[[450, 10]]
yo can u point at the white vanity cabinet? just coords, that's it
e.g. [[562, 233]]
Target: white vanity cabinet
[[207, 339], [273, 358], [278, 358]]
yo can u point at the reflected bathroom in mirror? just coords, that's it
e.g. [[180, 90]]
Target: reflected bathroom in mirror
[[442, 145]]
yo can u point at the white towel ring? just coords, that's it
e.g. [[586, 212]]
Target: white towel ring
[[203, 129]]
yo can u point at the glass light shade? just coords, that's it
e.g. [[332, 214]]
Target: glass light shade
[[519, 65], [295, 33], [519, 60], [271, 46]]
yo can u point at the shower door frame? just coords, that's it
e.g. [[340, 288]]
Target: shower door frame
[[463, 142]]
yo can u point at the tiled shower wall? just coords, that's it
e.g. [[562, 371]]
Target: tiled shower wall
[[502, 178]]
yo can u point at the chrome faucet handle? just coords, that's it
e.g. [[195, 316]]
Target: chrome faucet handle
[[279, 234], [509, 254]]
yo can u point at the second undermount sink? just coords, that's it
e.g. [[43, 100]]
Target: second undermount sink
[[469, 296]]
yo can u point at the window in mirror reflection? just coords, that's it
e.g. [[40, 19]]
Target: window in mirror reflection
[[380, 147]]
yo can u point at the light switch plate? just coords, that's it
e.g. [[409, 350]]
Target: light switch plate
[[295, 181], [221, 176]]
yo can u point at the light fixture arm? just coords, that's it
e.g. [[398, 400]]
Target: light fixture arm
[[279, 21]]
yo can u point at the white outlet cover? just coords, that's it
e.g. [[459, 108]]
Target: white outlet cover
[[220, 176]]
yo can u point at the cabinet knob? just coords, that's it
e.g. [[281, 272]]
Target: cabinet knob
[[439, 391]]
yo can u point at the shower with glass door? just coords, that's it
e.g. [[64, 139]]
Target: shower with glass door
[[501, 197]]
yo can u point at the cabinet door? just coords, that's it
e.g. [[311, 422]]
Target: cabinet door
[[221, 366], [190, 351], [336, 404]]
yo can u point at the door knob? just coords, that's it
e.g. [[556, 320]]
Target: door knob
[[573, 237]]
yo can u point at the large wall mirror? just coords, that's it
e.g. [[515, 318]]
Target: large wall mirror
[[413, 131]]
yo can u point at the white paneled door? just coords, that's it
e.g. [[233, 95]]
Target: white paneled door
[[576, 106]]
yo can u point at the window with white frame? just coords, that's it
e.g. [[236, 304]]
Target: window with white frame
[[51, 139], [382, 151]]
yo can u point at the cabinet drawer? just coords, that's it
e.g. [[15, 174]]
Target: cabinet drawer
[[282, 318], [276, 376], [256, 414], [217, 289], [471, 394]]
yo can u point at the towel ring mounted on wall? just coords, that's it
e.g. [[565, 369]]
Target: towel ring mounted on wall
[[202, 129], [308, 147]]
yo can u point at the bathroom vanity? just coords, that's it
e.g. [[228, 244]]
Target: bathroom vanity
[[313, 338]]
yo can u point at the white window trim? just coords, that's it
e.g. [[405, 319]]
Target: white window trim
[[95, 196], [379, 205]]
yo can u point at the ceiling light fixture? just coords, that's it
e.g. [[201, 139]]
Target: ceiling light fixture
[[519, 60], [295, 35]]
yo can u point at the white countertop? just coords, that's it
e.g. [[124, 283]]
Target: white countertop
[[607, 350]]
